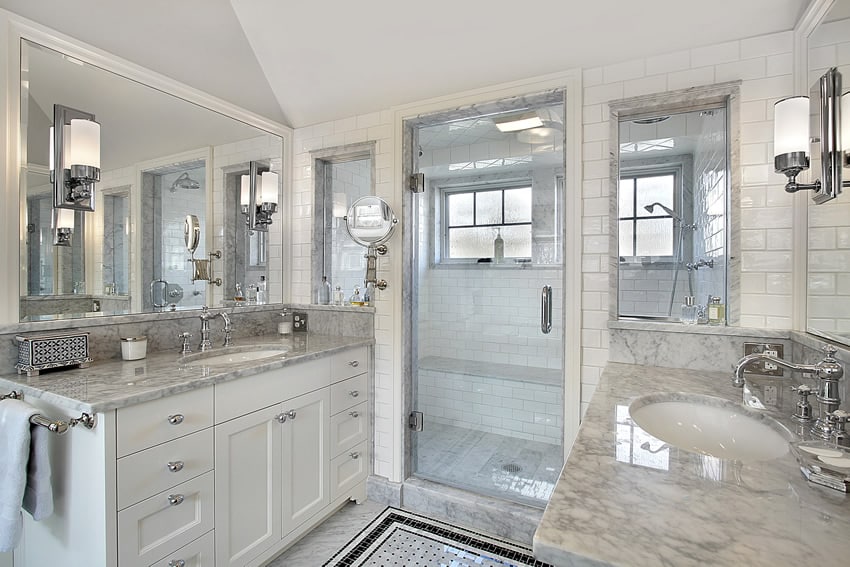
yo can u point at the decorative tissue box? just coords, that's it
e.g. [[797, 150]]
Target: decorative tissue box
[[52, 350]]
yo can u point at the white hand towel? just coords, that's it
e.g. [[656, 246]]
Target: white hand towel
[[38, 495], [15, 448]]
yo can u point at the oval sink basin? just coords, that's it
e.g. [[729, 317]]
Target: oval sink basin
[[233, 355], [711, 426]]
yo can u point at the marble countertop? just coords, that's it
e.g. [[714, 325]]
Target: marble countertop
[[114, 384], [617, 503]]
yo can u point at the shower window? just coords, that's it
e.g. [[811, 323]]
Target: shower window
[[475, 217], [645, 232]]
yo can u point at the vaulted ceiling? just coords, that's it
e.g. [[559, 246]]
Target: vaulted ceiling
[[306, 62]]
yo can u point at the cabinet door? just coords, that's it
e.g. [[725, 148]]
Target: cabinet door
[[247, 486], [306, 442]]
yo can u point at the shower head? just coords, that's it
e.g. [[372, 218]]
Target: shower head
[[650, 208], [184, 182]]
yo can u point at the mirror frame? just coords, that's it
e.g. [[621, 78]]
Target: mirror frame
[[672, 102], [13, 29]]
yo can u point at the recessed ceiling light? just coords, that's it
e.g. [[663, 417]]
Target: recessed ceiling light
[[517, 122]]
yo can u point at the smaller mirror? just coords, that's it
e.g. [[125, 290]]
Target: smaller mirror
[[370, 221], [192, 233]]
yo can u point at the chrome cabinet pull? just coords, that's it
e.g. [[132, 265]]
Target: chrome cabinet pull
[[176, 563], [176, 419], [175, 466], [354, 364], [354, 455], [176, 499], [291, 414], [281, 418], [354, 414], [546, 309], [353, 393]]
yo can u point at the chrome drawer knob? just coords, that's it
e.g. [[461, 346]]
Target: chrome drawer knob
[[354, 364], [353, 393], [354, 455], [176, 419], [175, 466], [281, 418], [176, 563], [354, 414], [291, 414], [176, 499]]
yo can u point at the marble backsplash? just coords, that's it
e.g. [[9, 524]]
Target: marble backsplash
[[162, 329]]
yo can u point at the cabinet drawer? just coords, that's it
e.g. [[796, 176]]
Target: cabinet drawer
[[349, 363], [151, 423], [348, 393], [348, 469], [153, 470], [199, 553], [162, 524], [349, 427]]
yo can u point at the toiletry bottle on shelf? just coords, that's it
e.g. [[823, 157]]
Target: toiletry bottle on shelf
[[251, 293], [262, 292], [498, 248], [689, 311], [324, 293], [339, 297], [356, 299], [716, 311], [702, 315], [238, 297]]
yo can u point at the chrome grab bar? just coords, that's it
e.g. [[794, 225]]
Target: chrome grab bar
[[546, 309]]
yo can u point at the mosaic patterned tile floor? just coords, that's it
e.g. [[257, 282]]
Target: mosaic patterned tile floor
[[401, 538], [495, 465]]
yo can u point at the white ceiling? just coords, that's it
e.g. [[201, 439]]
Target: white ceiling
[[308, 62]]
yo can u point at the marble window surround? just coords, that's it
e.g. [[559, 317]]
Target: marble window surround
[[666, 103], [162, 329]]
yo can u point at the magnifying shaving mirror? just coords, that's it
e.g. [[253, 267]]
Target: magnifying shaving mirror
[[192, 233], [370, 222]]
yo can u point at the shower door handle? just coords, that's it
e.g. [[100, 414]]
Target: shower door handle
[[546, 309]]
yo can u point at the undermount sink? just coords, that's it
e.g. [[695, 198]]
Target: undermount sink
[[711, 426], [233, 355]]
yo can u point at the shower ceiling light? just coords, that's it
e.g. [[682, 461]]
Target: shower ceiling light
[[74, 158], [547, 134], [517, 122], [791, 141], [260, 189]]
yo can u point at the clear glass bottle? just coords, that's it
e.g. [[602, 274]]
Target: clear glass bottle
[[251, 293], [339, 297], [499, 247], [324, 293], [237, 296], [689, 311], [716, 311], [356, 299], [262, 292]]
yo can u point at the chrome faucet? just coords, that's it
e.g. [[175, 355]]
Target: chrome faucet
[[828, 372], [206, 317]]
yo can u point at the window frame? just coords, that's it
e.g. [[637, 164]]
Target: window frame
[[445, 227], [634, 173]]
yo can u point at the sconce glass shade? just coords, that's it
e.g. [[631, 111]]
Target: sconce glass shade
[[64, 218], [269, 193], [791, 126], [245, 191], [340, 205], [85, 143]]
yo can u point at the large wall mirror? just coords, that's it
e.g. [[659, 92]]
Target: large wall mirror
[[828, 297], [671, 197], [161, 158]]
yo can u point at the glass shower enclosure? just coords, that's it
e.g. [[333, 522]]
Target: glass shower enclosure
[[487, 342]]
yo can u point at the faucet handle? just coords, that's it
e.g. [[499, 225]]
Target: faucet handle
[[804, 408], [185, 336], [838, 421]]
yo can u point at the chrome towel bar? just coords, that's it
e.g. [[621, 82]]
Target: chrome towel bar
[[56, 426]]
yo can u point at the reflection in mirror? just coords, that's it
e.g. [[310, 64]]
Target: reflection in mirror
[[162, 158], [671, 206], [828, 304], [370, 221]]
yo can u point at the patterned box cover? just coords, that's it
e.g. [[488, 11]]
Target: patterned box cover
[[52, 350]]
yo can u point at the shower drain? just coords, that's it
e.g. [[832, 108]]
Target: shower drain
[[511, 468]]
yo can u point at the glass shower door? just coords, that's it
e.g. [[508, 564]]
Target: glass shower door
[[488, 339]]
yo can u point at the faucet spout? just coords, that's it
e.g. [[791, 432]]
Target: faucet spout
[[745, 362]]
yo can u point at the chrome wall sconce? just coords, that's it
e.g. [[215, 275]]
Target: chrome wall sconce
[[794, 118], [259, 196], [74, 158], [63, 226]]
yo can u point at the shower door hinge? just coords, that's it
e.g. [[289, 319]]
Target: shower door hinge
[[417, 183], [416, 421]]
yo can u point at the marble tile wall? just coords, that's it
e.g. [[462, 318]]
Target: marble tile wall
[[764, 65]]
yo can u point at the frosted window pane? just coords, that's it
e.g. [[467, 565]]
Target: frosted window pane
[[626, 197], [626, 235], [655, 237], [518, 205], [654, 189], [460, 209], [478, 242], [488, 207]]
